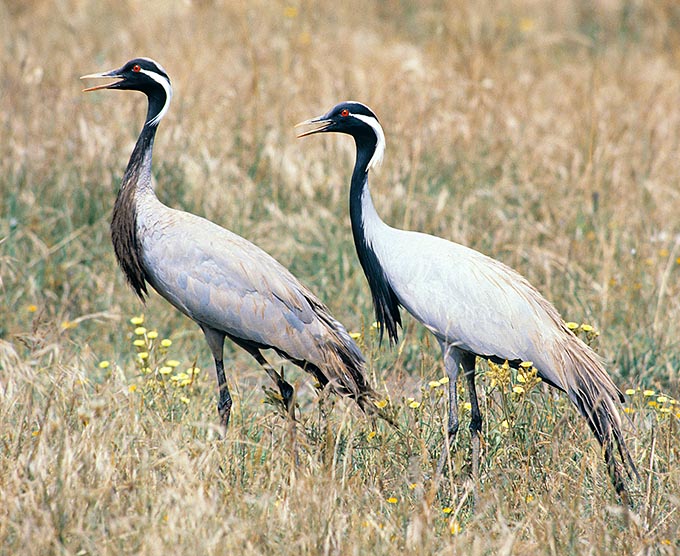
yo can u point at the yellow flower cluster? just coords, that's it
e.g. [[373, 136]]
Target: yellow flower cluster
[[153, 362], [584, 331], [527, 378], [662, 404], [499, 375]]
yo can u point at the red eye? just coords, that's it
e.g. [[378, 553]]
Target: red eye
[[136, 68], [344, 113]]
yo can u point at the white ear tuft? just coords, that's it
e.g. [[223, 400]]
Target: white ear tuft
[[377, 157]]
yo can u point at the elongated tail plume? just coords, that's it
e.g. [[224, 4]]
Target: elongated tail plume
[[598, 399]]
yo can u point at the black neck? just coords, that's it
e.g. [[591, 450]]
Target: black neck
[[137, 177], [157, 100], [385, 301]]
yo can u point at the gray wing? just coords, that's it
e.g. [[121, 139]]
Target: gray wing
[[472, 301], [225, 282]]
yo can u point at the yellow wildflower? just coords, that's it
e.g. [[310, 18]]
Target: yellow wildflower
[[381, 404], [355, 335], [434, 384], [648, 393], [454, 527], [414, 404], [140, 331], [166, 342], [137, 320], [630, 392], [517, 389], [104, 364], [290, 12], [526, 24], [152, 335], [172, 363], [392, 500], [139, 343]]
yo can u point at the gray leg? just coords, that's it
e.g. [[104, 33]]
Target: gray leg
[[224, 403], [475, 418], [452, 360], [215, 340]]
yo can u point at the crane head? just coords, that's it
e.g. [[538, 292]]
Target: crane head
[[347, 117], [139, 74], [355, 119]]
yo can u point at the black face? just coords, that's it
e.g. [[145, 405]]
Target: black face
[[345, 117], [140, 74]]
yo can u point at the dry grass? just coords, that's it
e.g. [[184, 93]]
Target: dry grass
[[544, 134]]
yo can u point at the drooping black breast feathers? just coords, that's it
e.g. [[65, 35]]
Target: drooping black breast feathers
[[385, 300], [124, 236]]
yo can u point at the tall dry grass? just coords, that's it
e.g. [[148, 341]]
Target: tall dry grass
[[544, 134]]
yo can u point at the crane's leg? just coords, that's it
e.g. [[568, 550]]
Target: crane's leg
[[287, 391], [452, 359], [215, 340], [224, 403], [468, 362]]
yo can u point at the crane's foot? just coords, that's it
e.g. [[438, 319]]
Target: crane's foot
[[476, 443], [224, 409], [288, 395], [283, 400], [447, 447]]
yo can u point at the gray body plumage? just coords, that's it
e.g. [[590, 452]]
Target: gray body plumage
[[226, 283], [473, 304], [228, 286]]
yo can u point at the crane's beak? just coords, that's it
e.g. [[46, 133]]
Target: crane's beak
[[315, 125], [112, 73]]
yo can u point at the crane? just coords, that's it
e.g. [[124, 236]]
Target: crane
[[227, 285], [474, 305]]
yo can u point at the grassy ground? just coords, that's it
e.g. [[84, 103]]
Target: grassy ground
[[544, 134]]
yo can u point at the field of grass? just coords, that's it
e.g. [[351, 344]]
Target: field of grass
[[545, 134]]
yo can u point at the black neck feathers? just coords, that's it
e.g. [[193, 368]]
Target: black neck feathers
[[126, 243], [158, 98], [385, 300]]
